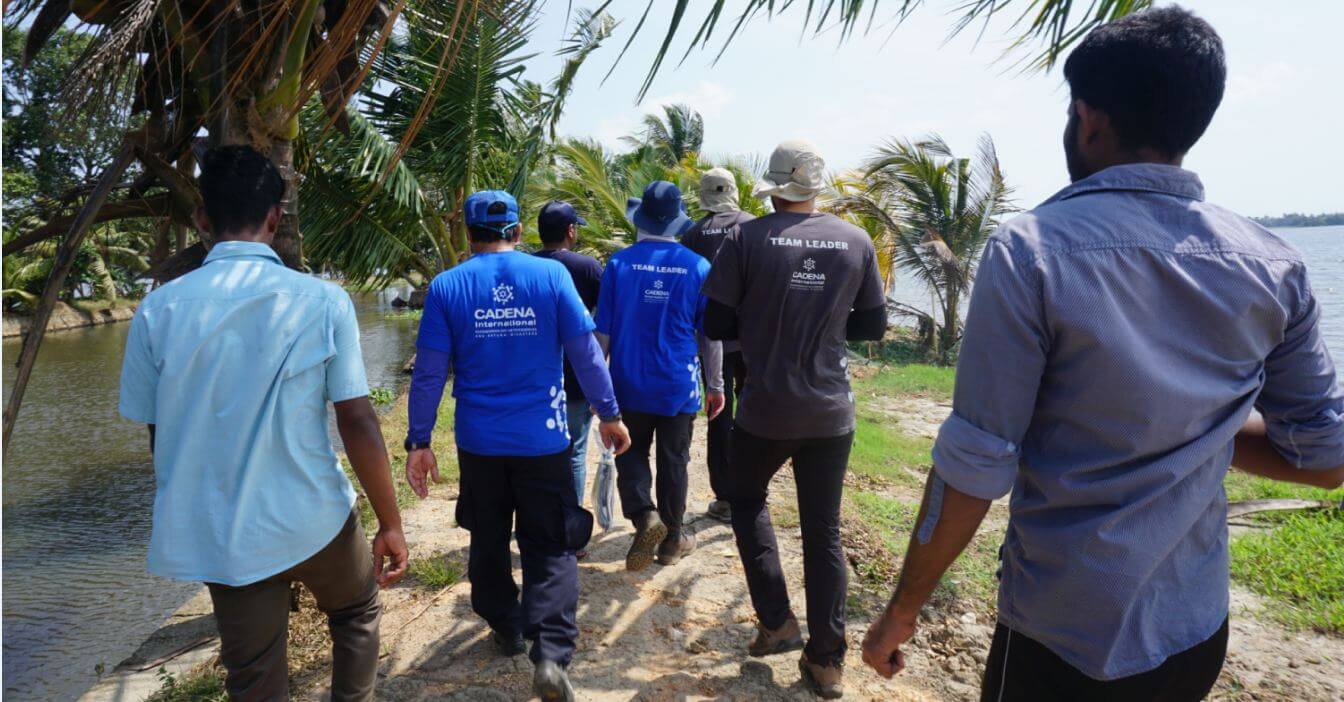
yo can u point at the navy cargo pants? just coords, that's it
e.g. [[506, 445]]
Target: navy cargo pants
[[551, 527]]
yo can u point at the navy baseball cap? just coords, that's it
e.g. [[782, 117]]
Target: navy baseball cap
[[493, 209], [557, 214]]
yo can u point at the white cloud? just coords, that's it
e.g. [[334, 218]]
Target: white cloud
[[708, 97]]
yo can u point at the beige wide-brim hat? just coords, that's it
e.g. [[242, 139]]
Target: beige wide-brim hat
[[797, 172], [718, 191]]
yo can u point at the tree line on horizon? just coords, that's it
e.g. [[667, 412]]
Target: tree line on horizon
[[1297, 219]]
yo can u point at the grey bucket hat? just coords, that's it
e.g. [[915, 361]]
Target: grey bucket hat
[[797, 172], [718, 191]]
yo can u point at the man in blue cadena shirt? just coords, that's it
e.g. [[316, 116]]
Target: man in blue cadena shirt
[[1119, 337], [232, 367], [500, 321], [650, 312]]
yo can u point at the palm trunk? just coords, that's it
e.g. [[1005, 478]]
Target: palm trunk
[[951, 323], [65, 259], [288, 242]]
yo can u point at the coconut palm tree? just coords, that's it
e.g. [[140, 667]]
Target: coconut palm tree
[[934, 212], [679, 133]]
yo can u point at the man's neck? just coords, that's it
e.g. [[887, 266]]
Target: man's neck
[[500, 246], [806, 207], [251, 237], [1144, 155], [554, 246]]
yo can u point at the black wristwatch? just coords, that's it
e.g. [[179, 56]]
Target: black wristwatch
[[413, 445], [614, 418]]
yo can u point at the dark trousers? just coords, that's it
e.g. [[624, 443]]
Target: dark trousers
[[819, 472], [551, 527], [253, 622], [720, 428], [1019, 668], [634, 476]]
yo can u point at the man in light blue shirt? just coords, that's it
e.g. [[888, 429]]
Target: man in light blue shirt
[[231, 367], [1119, 337]]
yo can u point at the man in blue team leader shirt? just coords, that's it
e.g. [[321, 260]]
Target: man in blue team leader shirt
[[558, 226], [499, 320], [1118, 338], [650, 312]]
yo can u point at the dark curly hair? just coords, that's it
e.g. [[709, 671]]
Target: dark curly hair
[[239, 186]]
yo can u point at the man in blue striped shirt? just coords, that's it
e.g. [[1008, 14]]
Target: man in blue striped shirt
[[1119, 337]]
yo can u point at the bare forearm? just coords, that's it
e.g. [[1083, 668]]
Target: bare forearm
[[1254, 453], [953, 527], [363, 438]]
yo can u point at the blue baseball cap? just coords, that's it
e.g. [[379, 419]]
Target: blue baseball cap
[[557, 215], [661, 212], [493, 209]]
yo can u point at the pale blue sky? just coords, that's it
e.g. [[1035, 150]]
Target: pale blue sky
[[1274, 146]]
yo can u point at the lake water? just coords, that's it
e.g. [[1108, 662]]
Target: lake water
[[78, 488], [78, 491]]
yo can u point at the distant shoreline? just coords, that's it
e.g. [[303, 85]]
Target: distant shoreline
[[1295, 219]]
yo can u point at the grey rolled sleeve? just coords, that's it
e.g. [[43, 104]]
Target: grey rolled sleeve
[[1301, 400], [1002, 358]]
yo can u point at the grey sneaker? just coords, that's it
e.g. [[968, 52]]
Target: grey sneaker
[[674, 547], [768, 642], [720, 510], [826, 681], [649, 532], [550, 682]]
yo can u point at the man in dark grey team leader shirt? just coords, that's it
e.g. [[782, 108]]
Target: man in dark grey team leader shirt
[[718, 195], [791, 287]]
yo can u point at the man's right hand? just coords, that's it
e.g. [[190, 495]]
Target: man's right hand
[[389, 546], [614, 436], [421, 463]]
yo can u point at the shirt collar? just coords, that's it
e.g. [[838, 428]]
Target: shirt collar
[[642, 235], [241, 249], [1148, 177]]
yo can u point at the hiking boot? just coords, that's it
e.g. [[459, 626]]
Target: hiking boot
[[649, 532], [768, 642], [509, 645], [824, 680], [674, 547], [720, 510], [550, 682]]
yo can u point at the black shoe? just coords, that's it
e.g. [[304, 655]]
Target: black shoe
[[721, 511], [509, 645], [551, 683], [649, 532]]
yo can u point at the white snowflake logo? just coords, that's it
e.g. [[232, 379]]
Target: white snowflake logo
[[658, 284], [809, 264], [503, 294]]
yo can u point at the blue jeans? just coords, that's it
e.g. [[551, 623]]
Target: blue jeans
[[580, 421]]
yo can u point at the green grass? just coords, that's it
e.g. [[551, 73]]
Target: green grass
[[197, 686], [435, 572], [405, 313], [1299, 566], [394, 424], [910, 379], [382, 397], [970, 577], [1243, 486], [884, 451]]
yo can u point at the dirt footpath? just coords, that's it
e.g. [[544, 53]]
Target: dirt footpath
[[674, 633]]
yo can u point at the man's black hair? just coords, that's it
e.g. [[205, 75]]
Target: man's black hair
[[239, 187], [1158, 74], [552, 233]]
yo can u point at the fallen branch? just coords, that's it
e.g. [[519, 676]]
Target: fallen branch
[[176, 653], [1241, 509]]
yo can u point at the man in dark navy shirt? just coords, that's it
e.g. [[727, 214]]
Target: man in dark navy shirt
[[558, 225]]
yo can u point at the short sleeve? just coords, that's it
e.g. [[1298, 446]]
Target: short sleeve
[[139, 373], [871, 293], [592, 284], [725, 282], [1003, 353], [571, 315], [435, 334], [606, 297], [345, 370]]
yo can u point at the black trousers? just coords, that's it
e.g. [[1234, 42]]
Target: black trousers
[[551, 527], [720, 428], [634, 476], [1019, 668], [819, 471]]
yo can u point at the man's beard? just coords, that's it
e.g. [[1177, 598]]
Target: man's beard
[[1073, 158]]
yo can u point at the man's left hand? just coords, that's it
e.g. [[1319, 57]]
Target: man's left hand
[[882, 646], [714, 403], [389, 544]]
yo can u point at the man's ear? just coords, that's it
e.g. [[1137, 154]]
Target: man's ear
[[201, 221], [273, 218], [1093, 124]]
